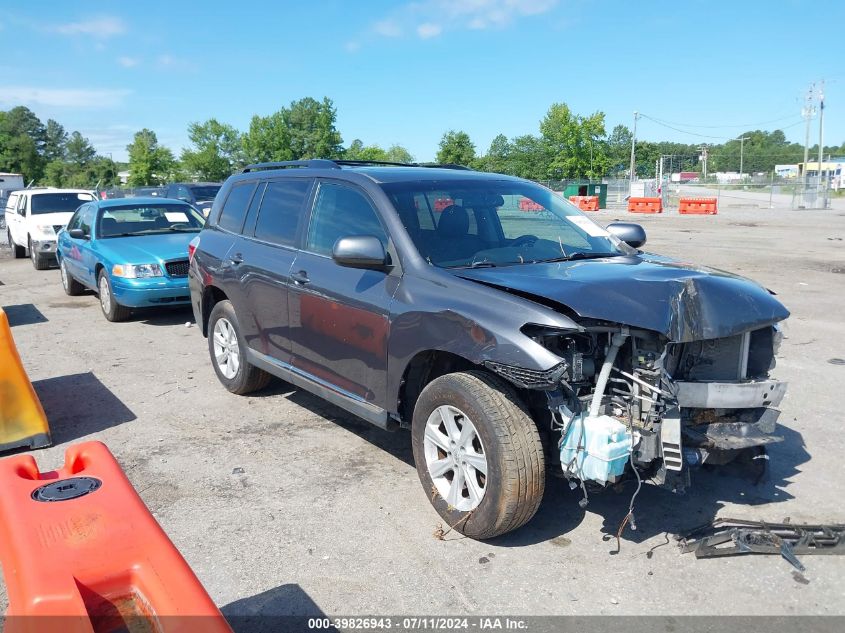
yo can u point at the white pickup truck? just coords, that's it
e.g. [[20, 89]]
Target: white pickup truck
[[35, 216]]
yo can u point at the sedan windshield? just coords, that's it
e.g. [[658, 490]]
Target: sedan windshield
[[57, 202], [130, 220], [463, 223], [206, 193]]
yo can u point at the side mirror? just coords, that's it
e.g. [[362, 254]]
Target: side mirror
[[632, 234], [360, 251], [77, 234]]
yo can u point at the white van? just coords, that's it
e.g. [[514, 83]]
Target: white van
[[35, 216]]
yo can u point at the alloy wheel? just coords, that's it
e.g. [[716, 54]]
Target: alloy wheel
[[226, 348]]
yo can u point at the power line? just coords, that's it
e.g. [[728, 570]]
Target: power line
[[745, 125], [698, 134]]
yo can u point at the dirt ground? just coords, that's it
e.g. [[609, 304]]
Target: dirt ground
[[283, 504]]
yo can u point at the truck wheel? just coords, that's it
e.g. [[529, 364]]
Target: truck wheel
[[38, 262], [18, 251], [478, 454], [227, 349], [72, 287], [112, 310]]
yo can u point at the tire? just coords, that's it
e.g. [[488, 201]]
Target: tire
[[18, 251], [227, 349], [112, 310], [505, 437], [71, 287], [39, 263]]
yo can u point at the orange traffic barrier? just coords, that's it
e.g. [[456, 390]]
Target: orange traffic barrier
[[526, 204], [645, 205], [585, 203], [22, 419], [442, 203], [82, 554], [697, 206]]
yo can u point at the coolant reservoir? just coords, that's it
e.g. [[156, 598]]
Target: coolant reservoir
[[595, 448]]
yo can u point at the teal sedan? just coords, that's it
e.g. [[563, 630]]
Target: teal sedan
[[132, 251]]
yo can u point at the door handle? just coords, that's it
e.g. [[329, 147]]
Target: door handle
[[300, 277]]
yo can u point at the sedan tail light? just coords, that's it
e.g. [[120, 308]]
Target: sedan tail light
[[192, 247]]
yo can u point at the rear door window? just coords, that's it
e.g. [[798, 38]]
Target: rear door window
[[341, 211], [234, 210], [281, 211]]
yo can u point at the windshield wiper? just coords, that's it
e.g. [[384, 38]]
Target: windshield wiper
[[579, 255], [484, 264], [183, 228]]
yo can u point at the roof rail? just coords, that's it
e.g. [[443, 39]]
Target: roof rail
[[364, 163], [316, 163], [445, 166]]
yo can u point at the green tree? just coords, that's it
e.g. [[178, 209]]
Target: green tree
[[267, 139], [527, 158], [311, 125], [573, 144], [216, 150], [498, 156], [619, 149], [78, 150], [398, 154], [149, 163], [456, 148], [55, 138], [358, 151], [22, 141]]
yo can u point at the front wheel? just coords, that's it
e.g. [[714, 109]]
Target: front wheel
[[227, 349], [38, 262], [112, 310], [478, 454]]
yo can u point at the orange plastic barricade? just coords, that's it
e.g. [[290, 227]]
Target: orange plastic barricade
[[645, 205], [697, 206], [442, 203], [529, 205], [22, 419], [585, 203], [82, 554]]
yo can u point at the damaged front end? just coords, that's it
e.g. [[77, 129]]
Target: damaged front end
[[625, 400]]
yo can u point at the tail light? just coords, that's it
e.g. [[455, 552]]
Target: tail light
[[192, 248]]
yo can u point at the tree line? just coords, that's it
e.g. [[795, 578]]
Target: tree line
[[567, 146]]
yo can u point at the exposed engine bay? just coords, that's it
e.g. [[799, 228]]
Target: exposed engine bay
[[630, 402]]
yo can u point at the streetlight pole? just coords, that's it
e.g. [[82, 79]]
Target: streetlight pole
[[633, 172], [808, 111], [821, 132]]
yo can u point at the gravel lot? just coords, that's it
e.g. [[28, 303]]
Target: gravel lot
[[283, 504]]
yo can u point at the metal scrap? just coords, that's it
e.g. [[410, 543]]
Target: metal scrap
[[733, 537]]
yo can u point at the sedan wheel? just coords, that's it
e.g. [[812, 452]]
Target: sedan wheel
[[226, 349], [105, 294]]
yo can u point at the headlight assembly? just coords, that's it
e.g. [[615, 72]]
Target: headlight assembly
[[136, 271]]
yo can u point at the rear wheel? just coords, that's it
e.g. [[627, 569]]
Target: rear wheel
[[39, 262], [227, 349], [478, 454], [70, 285], [18, 251], [112, 310]]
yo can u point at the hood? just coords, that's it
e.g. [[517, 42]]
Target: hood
[[53, 219], [681, 301], [146, 249]]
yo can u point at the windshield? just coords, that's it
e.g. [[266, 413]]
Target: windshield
[[129, 220], [57, 202], [496, 222], [205, 193]]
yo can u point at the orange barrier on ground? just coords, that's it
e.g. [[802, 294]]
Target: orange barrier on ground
[[22, 419], [81, 553], [645, 205], [526, 204], [442, 203], [697, 206], [585, 203]]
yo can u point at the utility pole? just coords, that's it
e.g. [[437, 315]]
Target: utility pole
[[808, 112], [821, 133], [703, 159], [741, 140], [633, 172]]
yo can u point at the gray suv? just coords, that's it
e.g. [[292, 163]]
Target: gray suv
[[511, 333]]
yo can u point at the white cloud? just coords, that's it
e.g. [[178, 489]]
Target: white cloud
[[169, 62], [128, 62], [102, 27], [428, 30], [430, 18], [62, 98]]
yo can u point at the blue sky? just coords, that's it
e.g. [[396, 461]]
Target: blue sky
[[405, 72]]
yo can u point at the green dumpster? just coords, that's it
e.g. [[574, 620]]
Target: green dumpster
[[598, 189], [575, 189]]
